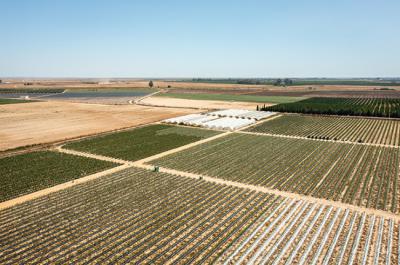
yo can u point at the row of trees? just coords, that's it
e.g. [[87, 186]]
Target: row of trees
[[341, 106]]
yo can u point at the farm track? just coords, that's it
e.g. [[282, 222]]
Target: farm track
[[143, 164], [276, 192], [47, 191], [203, 219], [138, 216], [323, 176]]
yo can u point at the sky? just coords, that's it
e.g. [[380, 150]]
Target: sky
[[149, 38]]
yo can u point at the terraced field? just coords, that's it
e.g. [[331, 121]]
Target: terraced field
[[141, 142], [27, 173], [138, 216], [357, 174], [376, 131], [377, 107]]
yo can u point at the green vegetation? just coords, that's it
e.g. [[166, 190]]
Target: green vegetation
[[132, 217], [27, 173], [230, 97], [378, 107], [141, 142], [4, 101], [356, 174], [367, 130], [31, 90]]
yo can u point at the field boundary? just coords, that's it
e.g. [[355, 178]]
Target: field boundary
[[89, 155], [310, 139], [285, 194], [62, 186]]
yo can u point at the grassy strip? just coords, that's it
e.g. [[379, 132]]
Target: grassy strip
[[4, 101], [142, 142], [227, 97], [27, 173]]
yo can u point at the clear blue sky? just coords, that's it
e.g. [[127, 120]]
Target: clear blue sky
[[148, 38]]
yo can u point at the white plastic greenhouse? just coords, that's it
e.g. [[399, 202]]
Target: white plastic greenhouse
[[240, 113], [230, 119]]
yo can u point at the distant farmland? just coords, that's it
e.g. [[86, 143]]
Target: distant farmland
[[232, 97]]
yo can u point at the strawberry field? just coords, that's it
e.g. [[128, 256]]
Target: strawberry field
[[363, 130], [137, 216], [356, 174]]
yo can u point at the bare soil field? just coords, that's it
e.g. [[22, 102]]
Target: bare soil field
[[199, 104], [96, 100], [45, 122]]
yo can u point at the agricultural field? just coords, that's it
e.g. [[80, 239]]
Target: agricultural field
[[138, 216], [4, 101], [356, 174], [232, 97], [141, 142], [377, 107], [30, 172], [297, 232], [51, 121], [375, 131]]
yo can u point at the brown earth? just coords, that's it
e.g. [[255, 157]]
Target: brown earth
[[45, 122]]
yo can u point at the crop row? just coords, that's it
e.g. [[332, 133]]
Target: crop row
[[30, 172], [132, 216], [378, 107], [376, 131], [141, 142], [356, 174], [297, 232], [137, 216]]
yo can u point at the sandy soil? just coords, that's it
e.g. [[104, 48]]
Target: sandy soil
[[44, 122], [200, 104], [95, 100]]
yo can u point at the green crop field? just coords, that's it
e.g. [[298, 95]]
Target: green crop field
[[4, 101], [356, 174], [228, 97], [377, 107], [132, 216], [140, 217], [376, 131], [27, 173], [141, 142]]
